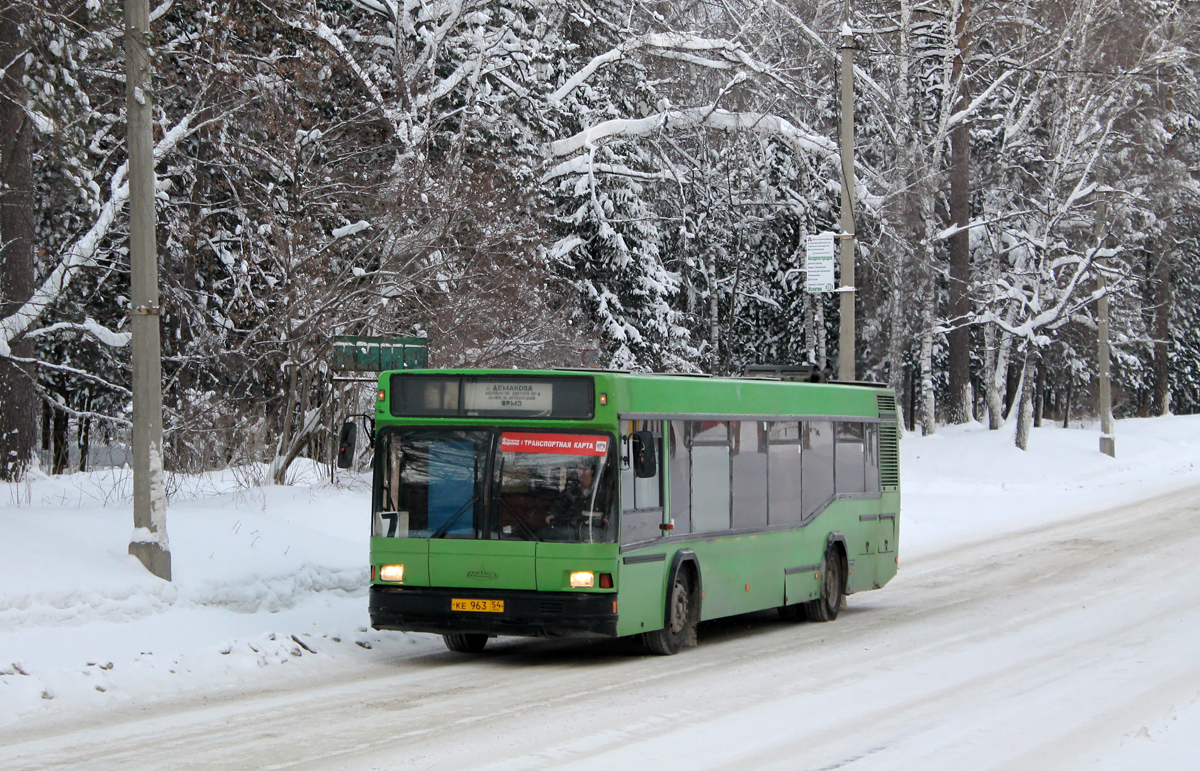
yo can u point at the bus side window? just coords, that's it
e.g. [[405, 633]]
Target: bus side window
[[816, 464], [786, 507], [710, 476], [872, 457], [749, 474], [648, 490], [641, 499], [850, 457], [679, 477], [627, 475]]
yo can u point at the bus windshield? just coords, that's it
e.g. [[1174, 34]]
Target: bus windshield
[[495, 484]]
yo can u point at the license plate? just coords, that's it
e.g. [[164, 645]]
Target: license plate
[[478, 606]]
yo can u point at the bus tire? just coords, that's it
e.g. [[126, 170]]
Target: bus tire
[[833, 588], [679, 626], [466, 642]]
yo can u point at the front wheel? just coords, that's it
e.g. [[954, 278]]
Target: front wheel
[[465, 643], [680, 626], [833, 589]]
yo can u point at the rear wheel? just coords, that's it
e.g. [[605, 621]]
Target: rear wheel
[[465, 643], [833, 588], [680, 626]]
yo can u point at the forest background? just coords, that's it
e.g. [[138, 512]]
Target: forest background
[[526, 180]]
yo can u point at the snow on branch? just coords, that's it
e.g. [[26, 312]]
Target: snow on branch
[[584, 163], [668, 45], [106, 36], [387, 9], [351, 229], [322, 30], [81, 252], [100, 332], [979, 101], [71, 371], [706, 117]]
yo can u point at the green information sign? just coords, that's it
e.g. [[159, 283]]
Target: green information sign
[[376, 354]]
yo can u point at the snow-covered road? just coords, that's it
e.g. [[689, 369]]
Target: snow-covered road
[[1052, 648]]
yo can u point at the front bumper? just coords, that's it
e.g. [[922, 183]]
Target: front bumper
[[526, 614]]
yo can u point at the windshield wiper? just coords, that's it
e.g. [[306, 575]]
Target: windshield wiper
[[441, 531], [508, 507]]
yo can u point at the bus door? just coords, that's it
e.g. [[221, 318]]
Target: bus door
[[643, 561]]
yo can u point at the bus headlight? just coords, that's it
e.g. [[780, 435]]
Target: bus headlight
[[393, 573], [583, 579]]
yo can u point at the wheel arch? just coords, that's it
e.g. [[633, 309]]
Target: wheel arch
[[685, 559], [835, 540]]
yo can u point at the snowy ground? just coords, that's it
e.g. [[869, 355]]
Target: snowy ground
[[269, 598]]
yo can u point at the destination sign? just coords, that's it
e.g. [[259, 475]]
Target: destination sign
[[506, 396], [567, 397]]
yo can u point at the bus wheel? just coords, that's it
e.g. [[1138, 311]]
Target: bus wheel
[[465, 643], [833, 589], [680, 627]]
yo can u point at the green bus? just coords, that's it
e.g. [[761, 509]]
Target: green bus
[[598, 503]]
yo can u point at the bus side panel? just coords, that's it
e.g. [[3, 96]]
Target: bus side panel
[[862, 538], [805, 548], [412, 553], [641, 597], [890, 533], [741, 573]]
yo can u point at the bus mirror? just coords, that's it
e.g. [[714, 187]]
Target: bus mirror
[[644, 462], [346, 441]]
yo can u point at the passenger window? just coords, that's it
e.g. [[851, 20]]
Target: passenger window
[[710, 476], [648, 490], [851, 458], [641, 499], [679, 476], [871, 434], [627, 476], [816, 464], [749, 453], [786, 506]]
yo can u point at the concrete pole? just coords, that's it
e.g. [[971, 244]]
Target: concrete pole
[[846, 335], [1108, 440], [149, 541]]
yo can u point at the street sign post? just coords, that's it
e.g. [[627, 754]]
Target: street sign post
[[376, 354]]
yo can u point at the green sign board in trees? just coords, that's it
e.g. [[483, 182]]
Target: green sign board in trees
[[376, 354]]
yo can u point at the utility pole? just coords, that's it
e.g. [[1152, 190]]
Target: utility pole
[[1108, 440], [149, 541], [959, 338], [846, 328]]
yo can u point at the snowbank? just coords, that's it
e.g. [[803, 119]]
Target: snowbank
[[263, 576], [966, 483]]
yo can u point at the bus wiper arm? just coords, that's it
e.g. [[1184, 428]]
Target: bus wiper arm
[[441, 531]]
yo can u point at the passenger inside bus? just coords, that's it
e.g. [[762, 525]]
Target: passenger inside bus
[[573, 506]]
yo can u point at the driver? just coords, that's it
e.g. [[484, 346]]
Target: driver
[[576, 497]]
